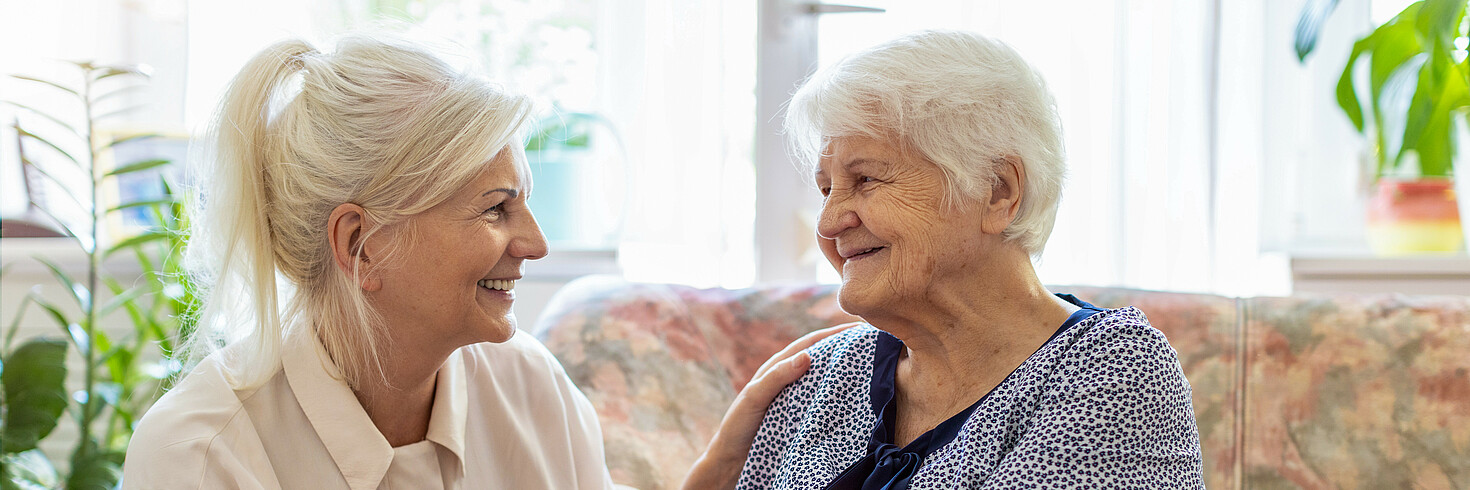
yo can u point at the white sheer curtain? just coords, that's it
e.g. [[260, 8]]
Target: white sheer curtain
[[1162, 104], [679, 81]]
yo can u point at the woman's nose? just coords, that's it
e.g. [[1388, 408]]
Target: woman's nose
[[835, 217], [531, 244]]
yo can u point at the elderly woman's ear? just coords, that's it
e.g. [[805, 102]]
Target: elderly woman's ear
[[346, 228], [1005, 195]]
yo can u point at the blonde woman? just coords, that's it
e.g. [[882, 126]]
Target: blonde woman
[[362, 226]]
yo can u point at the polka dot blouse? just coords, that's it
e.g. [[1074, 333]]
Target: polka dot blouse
[[1103, 404]]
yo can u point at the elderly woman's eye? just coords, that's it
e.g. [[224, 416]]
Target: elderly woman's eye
[[825, 191]]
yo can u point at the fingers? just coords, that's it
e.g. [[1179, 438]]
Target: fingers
[[719, 466], [765, 386]]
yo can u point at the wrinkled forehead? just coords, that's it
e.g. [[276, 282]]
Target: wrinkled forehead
[[857, 152]]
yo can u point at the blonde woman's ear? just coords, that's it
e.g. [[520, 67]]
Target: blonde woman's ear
[[346, 227]]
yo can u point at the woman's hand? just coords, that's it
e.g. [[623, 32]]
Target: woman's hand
[[719, 466]]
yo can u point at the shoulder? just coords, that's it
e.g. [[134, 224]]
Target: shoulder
[[842, 362], [1122, 341], [820, 420], [1119, 370], [520, 397], [193, 433], [844, 351]]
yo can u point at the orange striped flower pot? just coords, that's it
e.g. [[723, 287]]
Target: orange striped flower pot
[[1414, 216]]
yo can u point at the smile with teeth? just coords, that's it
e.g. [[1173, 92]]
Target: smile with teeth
[[498, 284], [865, 253]]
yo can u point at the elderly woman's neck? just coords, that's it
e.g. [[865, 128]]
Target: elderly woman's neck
[[994, 311], [965, 339]]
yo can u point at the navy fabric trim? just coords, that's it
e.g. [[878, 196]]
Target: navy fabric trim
[[888, 467]]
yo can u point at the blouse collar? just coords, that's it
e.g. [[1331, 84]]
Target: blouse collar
[[362, 454]]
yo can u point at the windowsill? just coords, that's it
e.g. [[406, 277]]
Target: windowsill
[[1356, 273], [565, 265], [66, 253]]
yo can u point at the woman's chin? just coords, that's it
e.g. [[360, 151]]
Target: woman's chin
[[858, 299], [497, 330]]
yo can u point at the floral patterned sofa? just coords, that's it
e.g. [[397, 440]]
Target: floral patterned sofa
[[1312, 392]]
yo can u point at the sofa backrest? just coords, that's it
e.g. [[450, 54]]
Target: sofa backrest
[[1308, 392]]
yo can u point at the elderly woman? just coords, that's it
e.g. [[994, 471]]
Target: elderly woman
[[939, 159], [363, 226]]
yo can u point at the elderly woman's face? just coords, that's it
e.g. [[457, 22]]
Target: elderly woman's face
[[452, 280], [885, 227]]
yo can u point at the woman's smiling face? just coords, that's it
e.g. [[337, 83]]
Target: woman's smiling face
[[885, 225], [452, 277]]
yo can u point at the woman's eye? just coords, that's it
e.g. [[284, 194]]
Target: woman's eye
[[866, 180], [826, 191], [495, 213]]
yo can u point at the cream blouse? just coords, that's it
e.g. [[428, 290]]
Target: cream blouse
[[504, 416]]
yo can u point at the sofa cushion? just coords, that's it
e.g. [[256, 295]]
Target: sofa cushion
[[1303, 392], [661, 363]]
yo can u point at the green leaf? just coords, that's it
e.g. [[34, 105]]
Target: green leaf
[[28, 470], [116, 70], [136, 166], [1427, 130], [83, 241], [134, 204], [48, 82], [119, 365], [92, 468], [140, 239], [48, 143], [128, 139], [119, 300], [35, 392], [67, 327], [1309, 25], [1438, 20], [1435, 145], [46, 115], [65, 189], [1392, 45], [15, 323], [135, 313], [79, 291], [1347, 95], [1395, 43]]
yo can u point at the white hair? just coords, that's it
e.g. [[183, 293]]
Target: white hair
[[960, 100], [380, 123]]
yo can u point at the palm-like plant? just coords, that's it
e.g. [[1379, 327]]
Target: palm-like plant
[[122, 375]]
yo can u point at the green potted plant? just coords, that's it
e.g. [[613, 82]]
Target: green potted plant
[[1417, 78], [122, 372]]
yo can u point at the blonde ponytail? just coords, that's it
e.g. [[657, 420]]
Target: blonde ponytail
[[379, 123]]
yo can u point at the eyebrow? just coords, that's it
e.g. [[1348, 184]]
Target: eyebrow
[[855, 162], [509, 192]]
